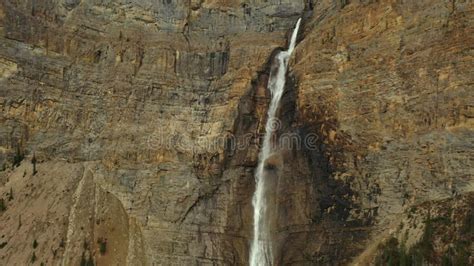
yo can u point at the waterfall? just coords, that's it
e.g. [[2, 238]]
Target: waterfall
[[261, 249]]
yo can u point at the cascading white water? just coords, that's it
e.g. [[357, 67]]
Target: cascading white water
[[261, 250]]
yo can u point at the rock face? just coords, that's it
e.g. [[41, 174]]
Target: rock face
[[144, 118]]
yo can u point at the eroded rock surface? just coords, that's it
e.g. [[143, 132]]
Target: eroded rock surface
[[132, 110]]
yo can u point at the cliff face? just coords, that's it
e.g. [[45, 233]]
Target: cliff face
[[388, 88], [143, 117]]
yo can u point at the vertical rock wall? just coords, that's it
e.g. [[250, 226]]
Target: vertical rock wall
[[133, 110]]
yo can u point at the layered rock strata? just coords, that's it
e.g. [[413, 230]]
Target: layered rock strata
[[132, 110]]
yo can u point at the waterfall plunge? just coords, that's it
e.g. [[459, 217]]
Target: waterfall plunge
[[261, 249]]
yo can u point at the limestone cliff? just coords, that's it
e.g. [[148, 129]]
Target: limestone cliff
[[142, 120]]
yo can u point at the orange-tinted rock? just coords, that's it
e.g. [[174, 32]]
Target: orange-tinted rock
[[146, 119]]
